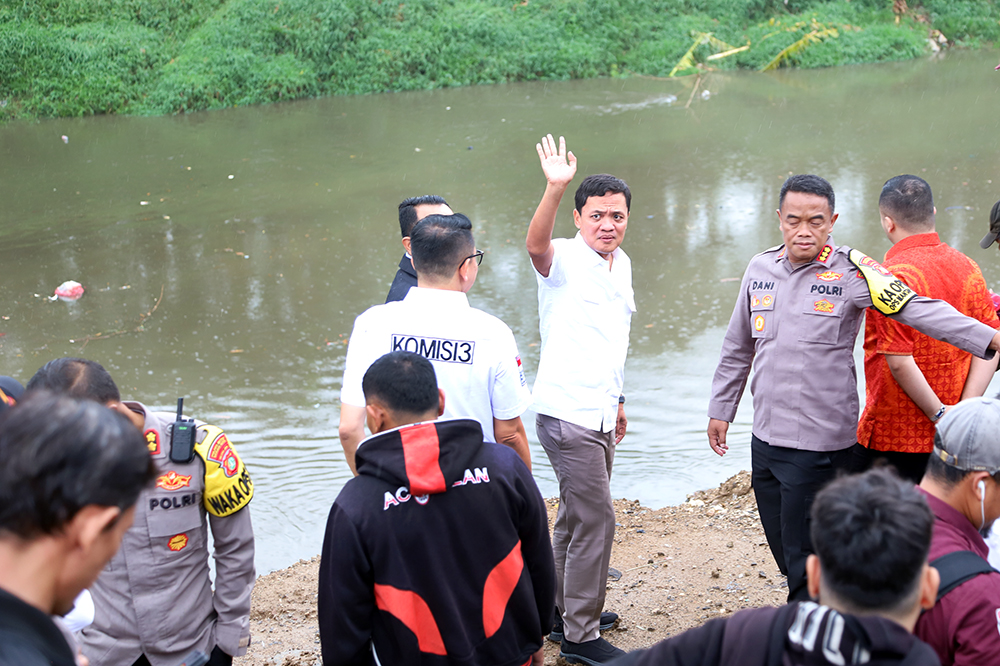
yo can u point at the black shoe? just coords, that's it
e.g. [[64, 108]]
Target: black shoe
[[595, 652], [556, 635]]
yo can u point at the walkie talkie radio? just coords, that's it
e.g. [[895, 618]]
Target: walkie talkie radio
[[182, 436]]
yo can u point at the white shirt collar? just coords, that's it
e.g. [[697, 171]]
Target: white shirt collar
[[427, 295]]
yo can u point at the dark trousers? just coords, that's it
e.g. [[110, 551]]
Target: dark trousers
[[785, 482], [909, 466]]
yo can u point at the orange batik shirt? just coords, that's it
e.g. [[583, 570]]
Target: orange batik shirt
[[891, 421]]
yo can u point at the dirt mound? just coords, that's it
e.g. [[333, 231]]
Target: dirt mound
[[679, 566]]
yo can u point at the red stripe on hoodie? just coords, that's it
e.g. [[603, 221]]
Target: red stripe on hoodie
[[499, 586], [410, 609], [420, 455]]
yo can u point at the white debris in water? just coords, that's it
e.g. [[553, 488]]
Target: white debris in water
[[65, 138], [231, 176], [705, 94]]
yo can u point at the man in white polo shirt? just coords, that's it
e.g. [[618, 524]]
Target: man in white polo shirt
[[585, 306], [473, 353]]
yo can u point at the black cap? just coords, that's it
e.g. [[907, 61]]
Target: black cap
[[994, 227]]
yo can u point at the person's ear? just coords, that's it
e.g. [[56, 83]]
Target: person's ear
[[138, 420], [576, 218], [375, 416], [777, 211], [888, 224], [440, 402], [930, 579], [979, 485], [833, 220], [813, 571], [406, 244], [90, 523]]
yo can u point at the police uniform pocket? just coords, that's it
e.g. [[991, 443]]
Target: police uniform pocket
[[762, 314], [822, 323], [174, 520]]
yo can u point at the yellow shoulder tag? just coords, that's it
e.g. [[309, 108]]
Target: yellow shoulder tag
[[889, 293], [228, 487]]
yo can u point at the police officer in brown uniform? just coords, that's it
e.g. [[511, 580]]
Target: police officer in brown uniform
[[796, 319], [154, 602]]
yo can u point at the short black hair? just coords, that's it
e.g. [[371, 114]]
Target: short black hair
[[872, 533], [78, 378], [808, 184], [599, 185], [402, 381], [58, 455], [438, 244], [908, 200], [408, 210]]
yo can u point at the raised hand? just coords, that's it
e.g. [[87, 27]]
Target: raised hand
[[558, 166]]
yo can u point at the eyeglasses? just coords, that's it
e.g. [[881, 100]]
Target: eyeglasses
[[478, 256]]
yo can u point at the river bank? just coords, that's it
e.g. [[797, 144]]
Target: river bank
[[175, 56], [680, 566]]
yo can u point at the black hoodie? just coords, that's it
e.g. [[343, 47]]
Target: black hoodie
[[799, 634], [437, 553]]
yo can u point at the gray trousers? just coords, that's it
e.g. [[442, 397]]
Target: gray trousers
[[585, 523]]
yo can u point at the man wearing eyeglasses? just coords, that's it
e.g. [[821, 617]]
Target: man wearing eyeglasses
[[473, 353]]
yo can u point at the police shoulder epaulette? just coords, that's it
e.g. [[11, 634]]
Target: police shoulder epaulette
[[228, 487], [889, 293], [773, 249]]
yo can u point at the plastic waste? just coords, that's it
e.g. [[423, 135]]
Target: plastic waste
[[70, 290]]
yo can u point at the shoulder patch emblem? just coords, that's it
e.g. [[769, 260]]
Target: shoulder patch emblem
[[173, 481], [824, 254], [758, 323], [888, 293], [228, 487], [754, 301], [222, 453], [829, 276], [177, 542], [152, 441], [767, 300]]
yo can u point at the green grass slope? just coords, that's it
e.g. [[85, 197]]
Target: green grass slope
[[80, 57]]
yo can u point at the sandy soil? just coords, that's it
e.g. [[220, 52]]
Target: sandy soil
[[680, 566]]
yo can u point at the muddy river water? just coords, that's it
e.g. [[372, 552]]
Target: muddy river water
[[268, 229]]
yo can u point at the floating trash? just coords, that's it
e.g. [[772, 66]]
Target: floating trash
[[70, 290], [705, 94], [65, 138]]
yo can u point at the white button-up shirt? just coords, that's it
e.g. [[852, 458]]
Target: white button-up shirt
[[584, 316], [473, 353]]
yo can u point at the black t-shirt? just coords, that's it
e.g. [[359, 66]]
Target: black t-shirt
[[29, 637]]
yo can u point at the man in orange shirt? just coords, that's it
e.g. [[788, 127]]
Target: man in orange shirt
[[910, 379]]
